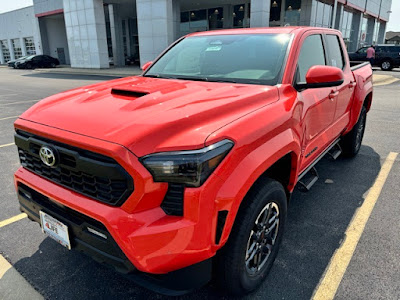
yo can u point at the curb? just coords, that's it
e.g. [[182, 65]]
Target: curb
[[13, 286]]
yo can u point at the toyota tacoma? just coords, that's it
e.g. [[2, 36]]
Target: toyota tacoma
[[184, 173]]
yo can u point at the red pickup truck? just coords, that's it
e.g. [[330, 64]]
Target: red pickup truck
[[186, 171]]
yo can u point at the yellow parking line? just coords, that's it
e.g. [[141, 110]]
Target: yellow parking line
[[6, 145], [12, 220], [4, 266], [333, 275], [7, 118]]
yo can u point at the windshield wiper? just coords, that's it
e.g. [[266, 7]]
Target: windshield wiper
[[194, 78]]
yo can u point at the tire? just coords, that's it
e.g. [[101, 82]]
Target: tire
[[236, 271], [29, 66], [351, 142], [53, 65], [386, 65]]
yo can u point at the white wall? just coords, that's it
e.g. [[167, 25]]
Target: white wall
[[43, 6], [20, 23]]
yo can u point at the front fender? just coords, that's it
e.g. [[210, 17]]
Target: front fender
[[250, 168]]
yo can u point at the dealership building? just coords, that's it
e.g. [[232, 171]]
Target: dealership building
[[95, 33]]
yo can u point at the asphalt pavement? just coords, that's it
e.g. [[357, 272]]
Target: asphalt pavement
[[317, 220]]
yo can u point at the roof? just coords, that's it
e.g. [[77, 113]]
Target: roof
[[392, 34], [259, 30]]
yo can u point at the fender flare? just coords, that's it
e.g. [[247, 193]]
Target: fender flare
[[250, 169]]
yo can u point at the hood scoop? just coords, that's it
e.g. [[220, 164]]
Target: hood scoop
[[128, 93]]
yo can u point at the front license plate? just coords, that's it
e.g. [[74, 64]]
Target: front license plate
[[55, 229]]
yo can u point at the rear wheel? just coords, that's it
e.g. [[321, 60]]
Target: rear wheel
[[351, 142], [29, 66], [246, 259], [386, 65], [53, 65]]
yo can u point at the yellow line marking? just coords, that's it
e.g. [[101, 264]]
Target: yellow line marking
[[7, 118], [12, 220], [4, 266], [386, 82], [6, 145], [333, 275], [18, 102]]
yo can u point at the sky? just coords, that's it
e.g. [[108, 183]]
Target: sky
[[394, 21]]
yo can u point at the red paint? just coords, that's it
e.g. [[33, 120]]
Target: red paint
[[50, 13], [322, 74], [265, 123]]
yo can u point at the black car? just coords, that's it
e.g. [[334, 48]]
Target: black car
[[37, 61], [11, 63], [387, 57]]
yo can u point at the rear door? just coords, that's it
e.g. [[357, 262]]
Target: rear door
[[319, 109], [336, 58]]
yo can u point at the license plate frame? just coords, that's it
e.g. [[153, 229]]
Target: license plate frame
[[55, 229]]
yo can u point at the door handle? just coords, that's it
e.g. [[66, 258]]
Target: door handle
[[333, 95], [352, 84]]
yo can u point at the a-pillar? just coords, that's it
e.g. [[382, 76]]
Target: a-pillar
[[259, 13], [86, 33]]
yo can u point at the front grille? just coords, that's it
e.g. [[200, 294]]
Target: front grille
[[87, 173]]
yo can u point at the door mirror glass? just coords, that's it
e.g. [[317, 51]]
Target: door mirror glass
[[146, 65], [322, 76]]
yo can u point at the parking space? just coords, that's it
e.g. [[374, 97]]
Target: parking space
[[316, 228]]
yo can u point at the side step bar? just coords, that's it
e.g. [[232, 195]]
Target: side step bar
[[310, 175]]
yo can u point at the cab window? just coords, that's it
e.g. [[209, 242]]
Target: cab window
[[311, 54], [336, 58]]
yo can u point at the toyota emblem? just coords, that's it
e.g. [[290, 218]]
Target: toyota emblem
[[47, 156]]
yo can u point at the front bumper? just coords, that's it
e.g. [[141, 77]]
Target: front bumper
[[149, 240]]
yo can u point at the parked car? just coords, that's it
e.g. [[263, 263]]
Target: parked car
[[11, 63], [37, 61], [189, 168], [387, 57]]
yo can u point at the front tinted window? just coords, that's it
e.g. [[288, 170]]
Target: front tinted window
[[252, 58], [311, 54], [362, 50], [335, 51]]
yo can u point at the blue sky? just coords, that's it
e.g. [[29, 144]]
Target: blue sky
[[394, 23]]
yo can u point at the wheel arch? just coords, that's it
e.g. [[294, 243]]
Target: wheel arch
[[283, 169]]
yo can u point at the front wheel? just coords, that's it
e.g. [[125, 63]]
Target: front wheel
[[246, 259], [386, 65], [351, 142]]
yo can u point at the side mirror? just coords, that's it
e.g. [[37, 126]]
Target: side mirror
[[322, 76], [146, 65]]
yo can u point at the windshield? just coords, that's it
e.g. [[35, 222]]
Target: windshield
[[250, 58]]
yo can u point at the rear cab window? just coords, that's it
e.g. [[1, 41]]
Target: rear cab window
[[335, 51]]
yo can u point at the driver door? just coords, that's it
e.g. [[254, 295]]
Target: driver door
[[318, 103]]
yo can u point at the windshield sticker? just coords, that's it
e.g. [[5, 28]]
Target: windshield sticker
[[214, 48]]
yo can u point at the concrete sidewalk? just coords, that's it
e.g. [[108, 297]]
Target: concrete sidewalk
[[113, 71], [13, 286]]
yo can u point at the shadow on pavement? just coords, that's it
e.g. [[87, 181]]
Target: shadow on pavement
[[51, 75], [317, 221]]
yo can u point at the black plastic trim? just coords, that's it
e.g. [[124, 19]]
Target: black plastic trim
[[222, 214], [174, 200]]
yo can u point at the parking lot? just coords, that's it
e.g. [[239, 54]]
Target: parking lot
[[317, 225]]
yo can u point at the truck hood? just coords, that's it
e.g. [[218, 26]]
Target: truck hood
[[149, 115]]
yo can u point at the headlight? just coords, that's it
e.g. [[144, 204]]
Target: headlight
[[191, 168]]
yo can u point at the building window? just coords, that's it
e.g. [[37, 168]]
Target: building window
[[16, 43], [323, 15], [345, 27], [215, 18], [292, 12], [30, 46], [275, 13], [6, 50], [239, 15]]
